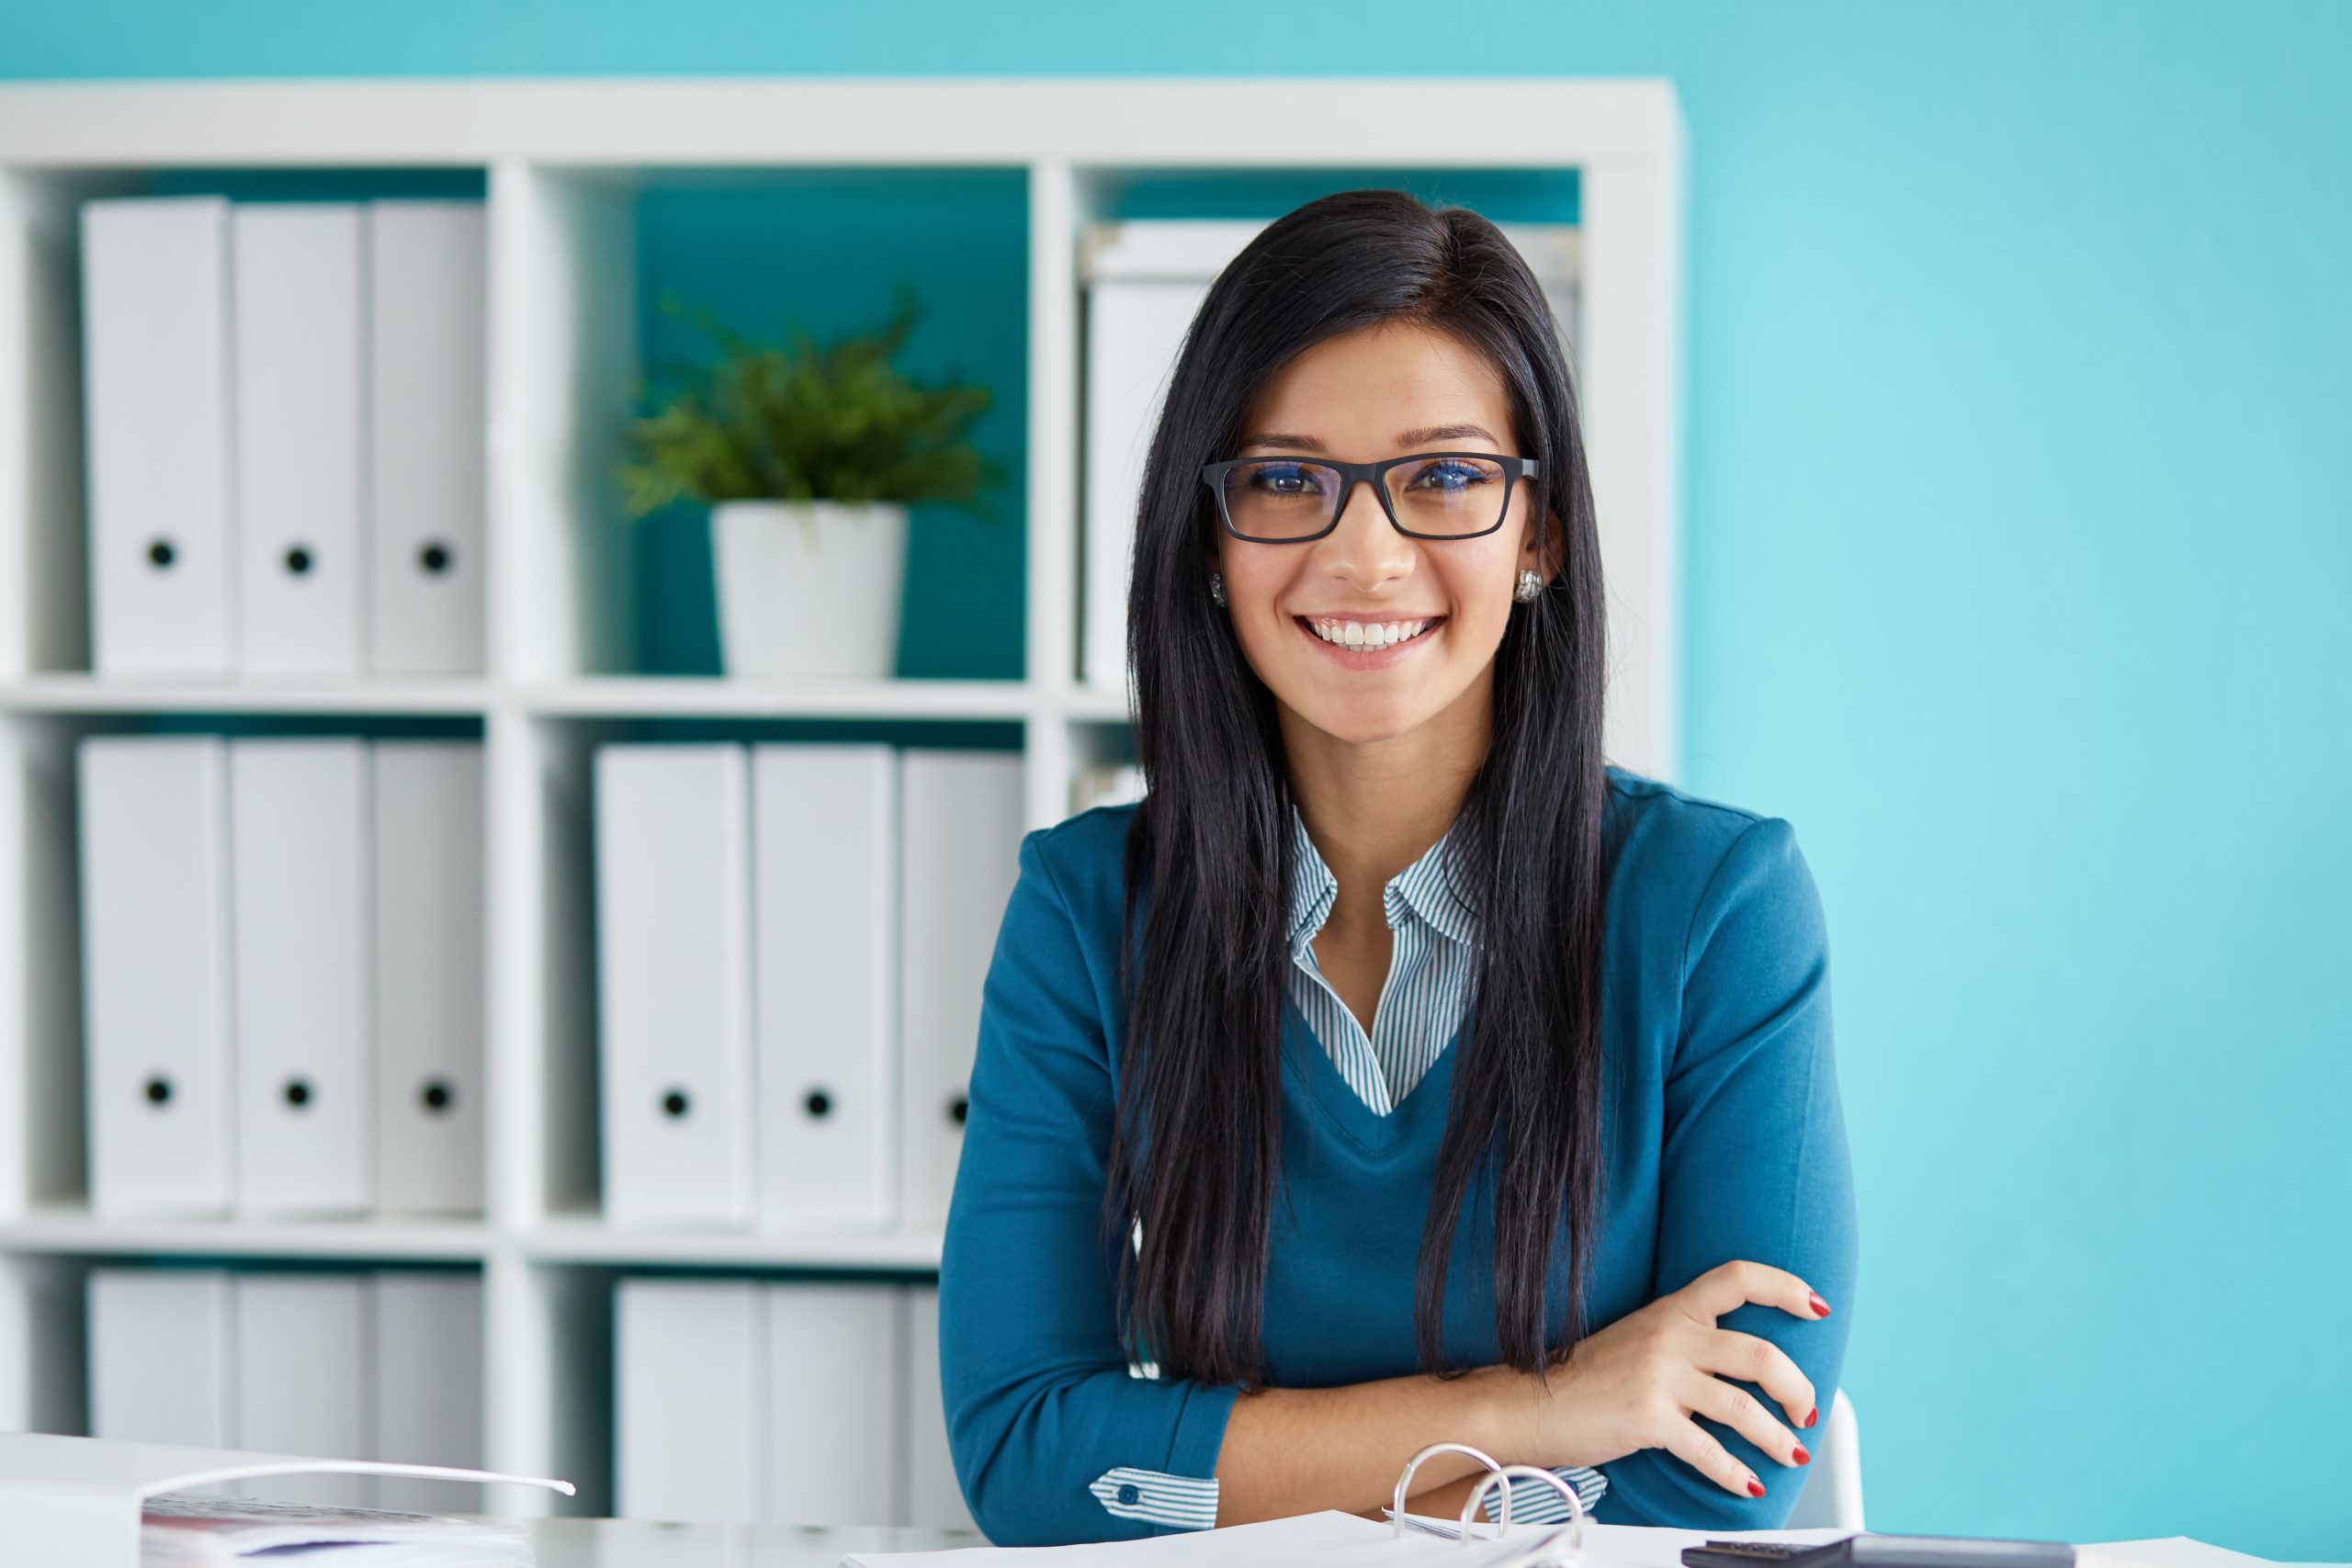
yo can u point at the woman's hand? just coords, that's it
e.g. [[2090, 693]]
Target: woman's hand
[[1638, 1382]]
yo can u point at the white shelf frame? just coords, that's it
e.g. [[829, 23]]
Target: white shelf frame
[[560, 160]]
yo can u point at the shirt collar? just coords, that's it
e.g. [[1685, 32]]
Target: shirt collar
[[1420, 890]]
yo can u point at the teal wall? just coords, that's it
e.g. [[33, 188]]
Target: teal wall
[[2019, 577]]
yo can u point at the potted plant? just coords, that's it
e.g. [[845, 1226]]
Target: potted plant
[[809, 456]]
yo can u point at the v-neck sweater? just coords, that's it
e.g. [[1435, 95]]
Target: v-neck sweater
[[1722, 1138]]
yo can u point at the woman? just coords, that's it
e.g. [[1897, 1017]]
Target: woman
[[1456, 1084]]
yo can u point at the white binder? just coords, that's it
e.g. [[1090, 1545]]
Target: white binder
[[961, 816], [1139, 304], [825, 839], [302, 1384], [299, 852], [935, 1497], [674, 952], [834, 1394], [428, 275], [155, 944], [157, 416], [689, 1436], [427, 1385], [299, 378], [428, 977], [161, 1356]]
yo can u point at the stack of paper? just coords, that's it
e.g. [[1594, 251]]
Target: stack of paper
[[179, 1528]]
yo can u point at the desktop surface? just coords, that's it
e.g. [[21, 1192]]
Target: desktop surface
[[641, 1543]]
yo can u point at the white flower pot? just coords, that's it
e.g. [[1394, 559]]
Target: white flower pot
[[809, 587]]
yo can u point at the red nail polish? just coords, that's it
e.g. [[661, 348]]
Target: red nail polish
[[1803, 1457], [1755, 1487], [1820, 1307], [1812, 1414]]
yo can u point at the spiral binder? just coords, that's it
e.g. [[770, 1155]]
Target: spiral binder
[[1562, 1546]]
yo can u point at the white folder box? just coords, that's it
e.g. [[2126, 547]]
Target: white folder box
[[835, 1391], [161, 1356], [298, 850], [303, 1383], [428, 1393], [935, 1497], [158, 421], [689, 1433], [1143, 290], [428, 977], [825, 845], [155, 990], [961, 816], [298, 376], [427, 279], [673, 983]]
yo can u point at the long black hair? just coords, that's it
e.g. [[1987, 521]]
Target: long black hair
[[1194, 1154]]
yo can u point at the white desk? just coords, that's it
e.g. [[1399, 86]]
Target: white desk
[[635, 1543]]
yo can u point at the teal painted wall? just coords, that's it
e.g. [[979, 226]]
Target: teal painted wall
[[2019, 577]]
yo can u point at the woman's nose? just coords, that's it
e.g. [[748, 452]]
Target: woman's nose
[[1364, 541]]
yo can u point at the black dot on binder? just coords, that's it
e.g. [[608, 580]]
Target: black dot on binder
[[957, 1109], [676, 1102], [161, 553], [819, 1104], [436, 1095], [159, 1091], [298, 560], [434, 558], [298, 1092]]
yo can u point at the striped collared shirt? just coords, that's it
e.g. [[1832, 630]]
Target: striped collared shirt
[[1434, 942]]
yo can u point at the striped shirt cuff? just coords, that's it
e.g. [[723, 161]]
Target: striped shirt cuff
[[1155, 1497], [1532, 1503]]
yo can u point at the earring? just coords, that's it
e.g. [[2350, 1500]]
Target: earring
[[1530, 585], [1217, 587]]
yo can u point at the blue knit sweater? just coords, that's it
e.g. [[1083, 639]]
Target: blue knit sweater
[[1721, 1138]]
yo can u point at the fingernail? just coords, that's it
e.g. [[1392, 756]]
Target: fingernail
[[1812, 1414], [1803, 1457], [1820, 1307], [1755, 1487]]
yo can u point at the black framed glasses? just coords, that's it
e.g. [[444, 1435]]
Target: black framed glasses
[[1428, 495]]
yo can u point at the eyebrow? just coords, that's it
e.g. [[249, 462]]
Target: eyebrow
[[1404, 438]]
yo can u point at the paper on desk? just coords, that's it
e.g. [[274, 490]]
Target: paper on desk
[[2171, 1551], [1332, 1539]]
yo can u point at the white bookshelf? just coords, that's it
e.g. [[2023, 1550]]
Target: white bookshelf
[[562, 164]]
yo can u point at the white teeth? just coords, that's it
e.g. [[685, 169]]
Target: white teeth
[[1375, 636]]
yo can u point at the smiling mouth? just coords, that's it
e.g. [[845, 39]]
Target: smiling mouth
[[1378, 638]]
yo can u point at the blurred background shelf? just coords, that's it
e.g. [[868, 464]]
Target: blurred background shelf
[[70, 1232], [589, 1240]]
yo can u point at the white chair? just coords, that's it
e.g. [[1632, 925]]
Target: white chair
[[1832, 1497]]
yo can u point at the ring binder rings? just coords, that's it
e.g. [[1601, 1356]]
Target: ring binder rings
[[1546, 1549], [74, 1501]]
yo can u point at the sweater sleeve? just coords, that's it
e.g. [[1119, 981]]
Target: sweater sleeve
[[1055, 1439], [1754, 1162]]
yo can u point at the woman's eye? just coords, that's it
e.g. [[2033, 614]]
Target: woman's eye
[[1453, 476], [1281, 481]]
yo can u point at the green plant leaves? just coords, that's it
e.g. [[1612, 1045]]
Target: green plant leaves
[[806, 420]]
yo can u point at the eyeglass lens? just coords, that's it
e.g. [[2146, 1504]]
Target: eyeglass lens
[[1290, 498]]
